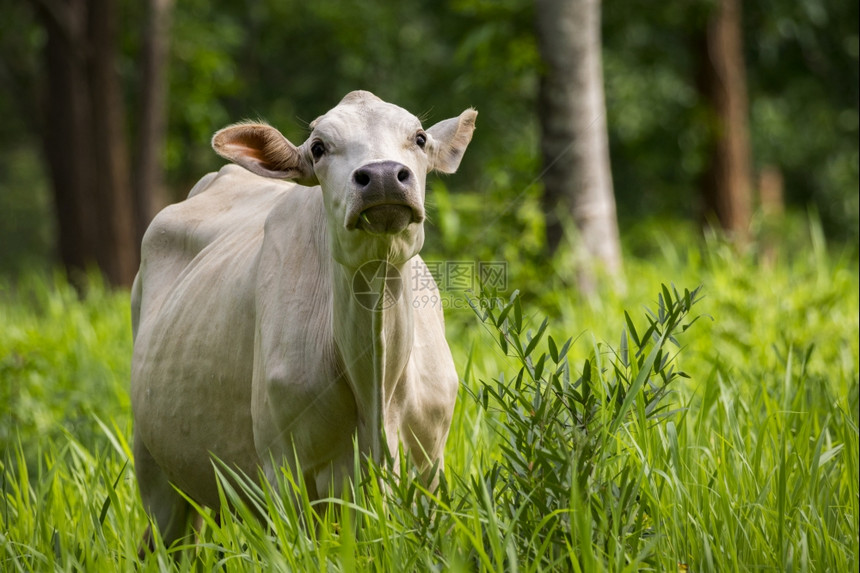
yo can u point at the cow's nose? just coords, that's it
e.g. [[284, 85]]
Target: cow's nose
[[386, 198], [385, 176]]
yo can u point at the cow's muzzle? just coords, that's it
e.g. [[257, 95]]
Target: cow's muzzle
[[385, 199]]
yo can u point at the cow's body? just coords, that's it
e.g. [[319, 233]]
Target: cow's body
[[251, 344]]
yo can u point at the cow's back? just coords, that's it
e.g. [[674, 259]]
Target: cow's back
[[193, 315]]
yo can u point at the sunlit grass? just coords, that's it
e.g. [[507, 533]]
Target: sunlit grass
[[752, 465]]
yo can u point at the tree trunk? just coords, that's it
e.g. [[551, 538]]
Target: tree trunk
[[117, 251], [574, 141], [727, 188], [65, 134], [84, 141], [149, 192]]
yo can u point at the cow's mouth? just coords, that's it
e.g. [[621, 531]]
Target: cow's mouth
[[387, 219]]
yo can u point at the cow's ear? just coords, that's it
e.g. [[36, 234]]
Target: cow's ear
[[261, 149], [449, 140]]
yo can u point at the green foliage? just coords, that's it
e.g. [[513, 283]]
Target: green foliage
[[64, 362], [289, 61], [559, 432], [804, 103], [585, 449], [25, 233], [801, 61]]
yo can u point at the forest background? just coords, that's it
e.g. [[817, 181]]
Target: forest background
[[216, 62], [715, 430]]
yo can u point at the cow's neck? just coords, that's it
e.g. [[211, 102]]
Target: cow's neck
[[373, 331]]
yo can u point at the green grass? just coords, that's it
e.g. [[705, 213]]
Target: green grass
[[749, 463]]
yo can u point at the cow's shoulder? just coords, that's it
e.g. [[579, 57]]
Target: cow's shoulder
[[293, 293], [297, 219]]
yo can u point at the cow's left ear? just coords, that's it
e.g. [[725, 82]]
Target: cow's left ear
[[449, 139], [261, 149]]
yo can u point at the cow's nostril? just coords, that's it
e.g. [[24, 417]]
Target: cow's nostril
[[403, 175], [362, 178]]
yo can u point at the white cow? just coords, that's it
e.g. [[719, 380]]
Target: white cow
[[273, 317]]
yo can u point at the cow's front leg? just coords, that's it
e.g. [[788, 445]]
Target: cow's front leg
[[164, 505]]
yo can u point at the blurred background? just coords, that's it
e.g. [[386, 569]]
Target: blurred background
[[740, 117]]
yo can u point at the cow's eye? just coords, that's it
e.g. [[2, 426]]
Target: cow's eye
[[421, 140], [317, 149]]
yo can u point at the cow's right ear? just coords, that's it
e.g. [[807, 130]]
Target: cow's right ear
[[261, 149], [449, 139]]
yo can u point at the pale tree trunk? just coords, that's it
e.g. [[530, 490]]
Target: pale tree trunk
[[727, 188], [574, 141], [149, 191]]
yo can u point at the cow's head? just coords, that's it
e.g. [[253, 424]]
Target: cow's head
[[371, 159]]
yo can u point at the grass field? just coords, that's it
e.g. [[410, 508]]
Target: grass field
[[594, 440]]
